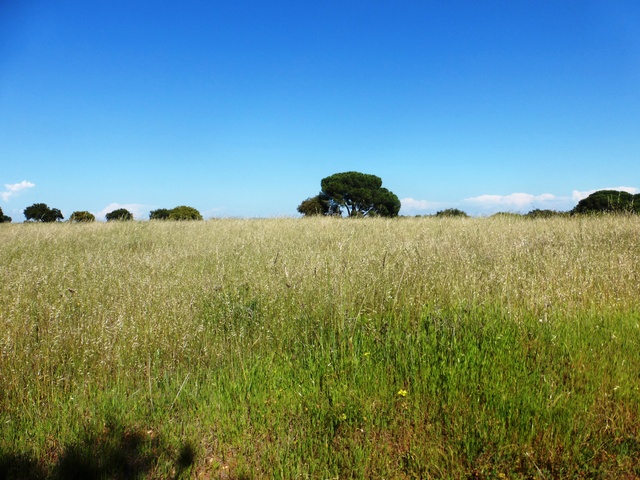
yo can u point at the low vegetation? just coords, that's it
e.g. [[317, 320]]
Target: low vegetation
[[451, 212], [609, 201], [4, 218], [182, 212], [119, 215], [375, 348], [82, 216]]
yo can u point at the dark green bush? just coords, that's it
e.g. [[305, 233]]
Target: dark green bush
[[451, 212], [121, 214], [82, 216]]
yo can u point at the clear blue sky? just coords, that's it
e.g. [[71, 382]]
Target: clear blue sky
[[240, 108]]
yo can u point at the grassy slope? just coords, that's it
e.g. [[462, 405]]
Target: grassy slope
[[319, 348]]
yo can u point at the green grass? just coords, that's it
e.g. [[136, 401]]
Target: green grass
[[321, 348]]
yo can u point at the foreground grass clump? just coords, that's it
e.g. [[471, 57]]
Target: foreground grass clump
[[317, 348]]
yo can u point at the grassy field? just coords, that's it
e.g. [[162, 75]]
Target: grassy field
[[321, 348]]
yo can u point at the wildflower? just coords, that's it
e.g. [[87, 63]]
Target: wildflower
[[403, 393]]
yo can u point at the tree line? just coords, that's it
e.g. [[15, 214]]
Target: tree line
[[354, 193], [362, 194], [40, 212], [599, 202]]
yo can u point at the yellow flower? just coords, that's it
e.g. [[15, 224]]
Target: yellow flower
[[403, 393]]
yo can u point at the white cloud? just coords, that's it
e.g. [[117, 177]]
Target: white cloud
[[12, 189], [518, 202], [579, 195], [138, 210], [411, 206]]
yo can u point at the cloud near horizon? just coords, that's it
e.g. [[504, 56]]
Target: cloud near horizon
[[411, 206], [12, 189], [138, 210], [516, 201]]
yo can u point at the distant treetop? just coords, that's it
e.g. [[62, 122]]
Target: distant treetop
[[82, 216], [4, 218], [451, 212], [121, 214], [40, 212], [609, 201], [178, 213], [359, 194]]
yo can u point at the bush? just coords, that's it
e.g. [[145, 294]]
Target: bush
[[4, 218], [184, 213], [609, 201], [82, 216], [159, 214], [121, 214], [451, 212], [178, 213]]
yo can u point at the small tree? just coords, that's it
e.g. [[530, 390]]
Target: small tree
[[121, 214], [4, 218], [82, 216], [184, 213], [159, 214], [178, 213], [40, 212], [312, 206]]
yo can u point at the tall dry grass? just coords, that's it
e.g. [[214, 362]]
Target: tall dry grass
[[322, 347]]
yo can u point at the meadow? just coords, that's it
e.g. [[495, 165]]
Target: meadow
[[321, 348]]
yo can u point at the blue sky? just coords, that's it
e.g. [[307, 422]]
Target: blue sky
[[240, 108]]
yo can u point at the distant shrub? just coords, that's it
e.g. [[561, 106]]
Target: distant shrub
[[121, 214], [178, 213], [537, 213], [82, 216], [184, 213], [159, 214], [609, 201], [4, 218], [451, 212]]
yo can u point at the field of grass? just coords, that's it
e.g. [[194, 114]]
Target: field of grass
[[321, 348]]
